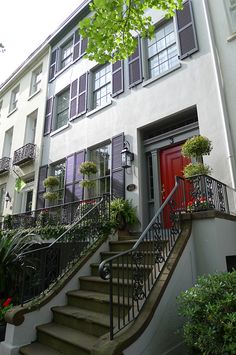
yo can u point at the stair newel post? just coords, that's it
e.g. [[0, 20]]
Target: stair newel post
[[111, 301]]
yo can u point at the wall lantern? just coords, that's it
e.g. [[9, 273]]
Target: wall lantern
[[126, 156], [7, 198]]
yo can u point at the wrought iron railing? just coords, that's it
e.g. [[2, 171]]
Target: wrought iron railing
[[44, 266], [206, 193], [24, 154], [60, 214], [133, 273], [4, 165]]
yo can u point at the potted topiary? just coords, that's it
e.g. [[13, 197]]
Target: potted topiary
[[88, 168], [123, 213], [51, 183]]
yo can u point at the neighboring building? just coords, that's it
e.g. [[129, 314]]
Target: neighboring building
[[22, 107]]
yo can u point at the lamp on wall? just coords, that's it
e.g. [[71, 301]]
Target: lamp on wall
[[126, 156], [7, 198]]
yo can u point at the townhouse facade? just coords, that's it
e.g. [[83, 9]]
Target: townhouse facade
[[170, 89]]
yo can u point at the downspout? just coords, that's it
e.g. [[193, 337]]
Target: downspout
[[222, 101]]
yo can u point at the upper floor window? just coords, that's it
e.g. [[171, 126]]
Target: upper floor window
[[162, 50], [36, 80], [66, 53], [14, 98], [62, 108], [58, 170], [102, 85]]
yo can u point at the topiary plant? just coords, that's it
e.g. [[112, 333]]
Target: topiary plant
[[50, 196], [123, 213], [196, 147], [51, 182], [88, 168], [210, 311], [196, 169]]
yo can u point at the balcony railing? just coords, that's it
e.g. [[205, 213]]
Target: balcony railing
[[24, 154], [4, 165]]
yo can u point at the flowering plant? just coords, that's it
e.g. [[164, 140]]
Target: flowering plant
[[5, 305], [197, 204]]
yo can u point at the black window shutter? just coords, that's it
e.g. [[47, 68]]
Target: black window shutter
[[48, 116], [73, 99], [69, 178], [117, 78], [73, 190], [118, 174], [78, 190], [186, 30], [43, 171], [76, 49], [135, 66], [82, 97], [53, 64], [84, 43]]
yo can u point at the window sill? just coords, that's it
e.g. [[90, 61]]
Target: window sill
[[34, 94], [90, 113], [10, 113], [232, 37], [149, 81], [59, 129]]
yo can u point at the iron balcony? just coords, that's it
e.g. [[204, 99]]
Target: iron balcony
[[4, 165], [24, 154]]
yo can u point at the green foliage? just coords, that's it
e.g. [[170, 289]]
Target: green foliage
[[122, 210], [51, 182], [210, 309], [7, 221], [12, 245], [196, 169], [114, 25], [50, 196], [88, 168], [196, 147], [87, 183], [20, 184]]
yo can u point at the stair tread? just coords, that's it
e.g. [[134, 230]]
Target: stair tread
[[100, 297], [80, 313], [100, 280], [38, 349], [124, 265], [69, 335]]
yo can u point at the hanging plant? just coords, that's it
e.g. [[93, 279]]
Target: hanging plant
[[196, 169], [50, 196], [196, 147], [51, 182], [87, 183], [88, 168]]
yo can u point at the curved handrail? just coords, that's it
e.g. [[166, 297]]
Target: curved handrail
[[104, 272]]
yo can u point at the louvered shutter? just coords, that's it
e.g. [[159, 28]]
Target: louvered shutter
[[48, 116], [118, 174], [53, 64], [82, 96], [117, 78], [73, 99], [186, 30], [69, 178], [76, 49], [43, 171], [135, 66], [78, 190], [84, 43]]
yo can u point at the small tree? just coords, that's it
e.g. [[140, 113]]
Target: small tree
[[88, 168], [210, 311], [51, 183]]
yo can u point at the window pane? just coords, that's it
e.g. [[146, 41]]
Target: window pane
[[67, 53], [102, 85], [62, 109]]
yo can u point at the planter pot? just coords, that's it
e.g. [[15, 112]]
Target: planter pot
[[2, 331]]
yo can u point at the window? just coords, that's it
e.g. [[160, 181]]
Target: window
[[102, 86], [162, 50], [7, 143], [14, 99], [31, 124], [58, 170], [66, 53], [36, 80], [102, 158], [62, 108]]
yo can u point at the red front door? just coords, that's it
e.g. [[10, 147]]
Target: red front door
[[172, 164]]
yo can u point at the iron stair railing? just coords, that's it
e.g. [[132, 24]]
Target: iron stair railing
[[133, 273], [42, 267]]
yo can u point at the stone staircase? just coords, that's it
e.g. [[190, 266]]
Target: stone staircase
[[77, 326]]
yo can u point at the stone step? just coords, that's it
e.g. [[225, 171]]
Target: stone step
[[95, 301], [97, 284], [38, 349], [148, 257], [66, 340], [123, 271], [119, 246], [90, 322]]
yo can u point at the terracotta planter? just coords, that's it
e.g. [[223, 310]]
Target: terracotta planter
[[2, 331]]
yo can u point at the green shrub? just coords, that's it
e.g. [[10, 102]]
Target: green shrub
[[50, 196], [51, 181], [88, 168], [123, 211], [88, 184], [196, 169], [196, 147], [210, 311]]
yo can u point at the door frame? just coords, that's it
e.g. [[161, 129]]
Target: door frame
[[154, 145]]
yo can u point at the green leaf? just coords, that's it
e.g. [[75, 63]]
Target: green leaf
[[19, 185]]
